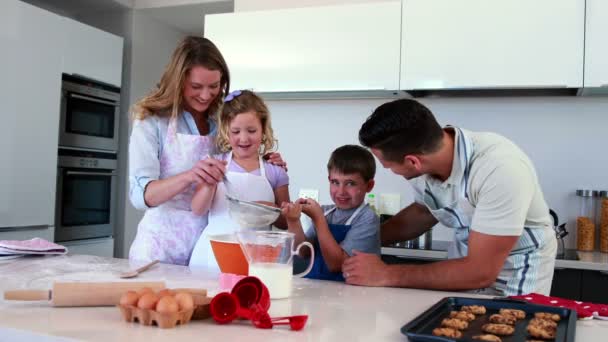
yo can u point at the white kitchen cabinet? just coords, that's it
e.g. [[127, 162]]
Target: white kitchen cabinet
[[460, 44], [92, 53], [30, 91], [330, 48], [103, 247], [596, 44]]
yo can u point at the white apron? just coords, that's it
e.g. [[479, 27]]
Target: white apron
[[168, 232], [249, 187], [522, 271]]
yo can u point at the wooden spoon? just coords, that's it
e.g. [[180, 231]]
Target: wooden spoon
[[134, 273]]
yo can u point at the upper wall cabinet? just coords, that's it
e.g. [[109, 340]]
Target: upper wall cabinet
[[331, 48], [461, 44], [596, 44], [93, 53]]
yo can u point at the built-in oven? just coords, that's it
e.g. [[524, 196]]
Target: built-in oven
[[89, 114], [86, 194]]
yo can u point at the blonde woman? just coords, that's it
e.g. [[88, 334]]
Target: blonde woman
[[174, 128], [245, 135]]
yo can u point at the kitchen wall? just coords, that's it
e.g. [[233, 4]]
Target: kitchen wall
[[564, 136]]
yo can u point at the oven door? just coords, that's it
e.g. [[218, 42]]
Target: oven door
[[88, 122], [85, 203]]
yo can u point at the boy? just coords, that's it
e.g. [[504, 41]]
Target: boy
[[346, 226]]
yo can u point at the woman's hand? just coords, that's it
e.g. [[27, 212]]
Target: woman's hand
[[311, 208], [209, 170], [291, 211], [275, 158]]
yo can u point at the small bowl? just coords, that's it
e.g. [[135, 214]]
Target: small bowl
[[228, 254]]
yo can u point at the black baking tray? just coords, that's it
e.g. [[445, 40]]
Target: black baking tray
[[421, 327]]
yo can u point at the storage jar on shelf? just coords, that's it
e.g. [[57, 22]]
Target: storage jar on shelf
[[603, 220], [585, 222]]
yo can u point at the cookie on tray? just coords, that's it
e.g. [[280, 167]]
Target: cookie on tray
[[548, 315], [474, 309], [518, 314], [447, 332], [539, 332], [543, 323], [498, 329], [487, 337], [462, 315], [503, 319], [454, 323]]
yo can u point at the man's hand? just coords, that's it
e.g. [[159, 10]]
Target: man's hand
[[275, 158], [365, 269], [291, 211], [311, 208]]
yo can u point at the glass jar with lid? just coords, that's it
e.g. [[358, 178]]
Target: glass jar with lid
[[585, 222], [603, 220]]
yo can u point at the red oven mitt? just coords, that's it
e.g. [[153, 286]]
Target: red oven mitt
[[583, 309]]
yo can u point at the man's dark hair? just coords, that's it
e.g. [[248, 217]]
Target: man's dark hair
[[350, 159], [401, 127]]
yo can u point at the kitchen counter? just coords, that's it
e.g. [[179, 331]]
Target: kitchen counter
[[593, 261], [337, 311]]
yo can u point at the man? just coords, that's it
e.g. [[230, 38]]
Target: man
[[481, 185]]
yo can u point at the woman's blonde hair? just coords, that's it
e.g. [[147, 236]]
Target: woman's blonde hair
[[167, 99], [246, 101]]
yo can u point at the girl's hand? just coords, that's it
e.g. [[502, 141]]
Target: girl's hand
[[311, 208], [209, 170], [275, 158], [291, 211]]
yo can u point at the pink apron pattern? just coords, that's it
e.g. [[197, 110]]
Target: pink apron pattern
[[170, 231]]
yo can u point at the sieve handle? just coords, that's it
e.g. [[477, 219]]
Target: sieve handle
[[312, 258]]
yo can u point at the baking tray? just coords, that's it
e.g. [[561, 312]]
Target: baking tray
[[421, 327]]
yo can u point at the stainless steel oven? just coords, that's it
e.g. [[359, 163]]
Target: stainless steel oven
[[89, 114], [86, 194]]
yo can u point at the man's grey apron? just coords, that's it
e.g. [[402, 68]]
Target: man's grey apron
[[519, 271]]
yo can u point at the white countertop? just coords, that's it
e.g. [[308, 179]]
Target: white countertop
[[336, 311], [593, 261]]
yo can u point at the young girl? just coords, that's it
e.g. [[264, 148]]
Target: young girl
[[245, 134]]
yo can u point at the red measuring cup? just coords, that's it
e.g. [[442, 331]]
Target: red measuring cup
[[251, 291]]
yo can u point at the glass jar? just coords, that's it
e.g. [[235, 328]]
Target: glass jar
[[603, 220], [585, 222]]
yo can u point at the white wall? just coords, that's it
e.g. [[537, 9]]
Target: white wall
[[564, 136], [152, 45]]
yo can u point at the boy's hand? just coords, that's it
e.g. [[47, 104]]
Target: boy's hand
[[291, 211], [311, 208]]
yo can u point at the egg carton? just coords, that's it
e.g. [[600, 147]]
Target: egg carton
[[149, 317]]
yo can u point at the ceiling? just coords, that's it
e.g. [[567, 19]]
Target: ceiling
[[184, 15]]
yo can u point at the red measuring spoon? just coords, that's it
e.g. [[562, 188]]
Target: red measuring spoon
[[295, 322]]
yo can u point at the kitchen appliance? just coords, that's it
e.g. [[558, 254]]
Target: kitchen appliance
[[83, 294], [89, 114], [86, 194], [560, 234]]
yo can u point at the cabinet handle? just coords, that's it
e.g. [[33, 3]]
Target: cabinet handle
[[114, 104], [79, 173], [318, 90], [21, 228], [500, 87]]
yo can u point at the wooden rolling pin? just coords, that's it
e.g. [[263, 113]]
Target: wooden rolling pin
[[83, 294]]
